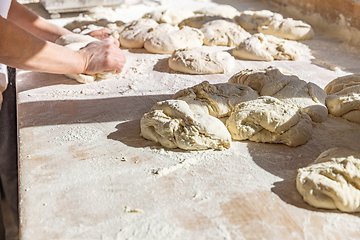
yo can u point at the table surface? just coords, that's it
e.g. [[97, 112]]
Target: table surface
[[86, 173]]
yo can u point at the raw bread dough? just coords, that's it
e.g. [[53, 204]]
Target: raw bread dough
[[218, 100], [174, 125], [166, 43], [76, 42], [85, 26], [288, 88], [135, 36], [288, 28], [170, 16], [332, 181], [343, 98], [223, 33], [201, 61], [199, 21], [251, 20], [260, 47], [222, 10], [267, 119]]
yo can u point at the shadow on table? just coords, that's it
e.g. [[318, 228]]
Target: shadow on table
[[125, 108]]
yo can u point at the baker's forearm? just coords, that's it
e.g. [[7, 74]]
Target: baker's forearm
[[34, 24], [21, 49]]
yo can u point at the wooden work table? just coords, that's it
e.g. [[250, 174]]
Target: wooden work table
[[86, 173]]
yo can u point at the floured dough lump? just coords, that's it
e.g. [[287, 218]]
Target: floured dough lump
[[332, 181], [251, 20], [170, 16], [288, 88], [288, 28], [343, 98], [269, 120], [201, 61], [174, 125], [260, 47], [218, 100], [222, 10], [223, 33], [166, 43]]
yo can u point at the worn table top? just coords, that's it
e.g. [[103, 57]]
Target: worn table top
[[86, 173]]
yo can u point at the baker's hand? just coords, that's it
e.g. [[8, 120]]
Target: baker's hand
[[104, 55], [100, 33]]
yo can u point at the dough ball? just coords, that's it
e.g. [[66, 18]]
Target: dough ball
[[288, 88], [135, 37], [199, 21], [332, 181], [170, 16], [222, 10], [260, 47], [267, 119], [174, 125], [201, 61], [288, 28], [251, 20], [168, 42], [218, 100], [343, 98], [223, 33], [76, 42]]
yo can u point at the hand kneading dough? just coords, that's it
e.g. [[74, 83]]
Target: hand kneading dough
[[170, 16], [251, 20], [222, 10], [288, 28], [290, 89], [343, 98], [135, 37], [262, 47], [223, 33], [218, 100], [267, 119], [166, 43], [76, 42], [173, 124], [332, 181], [201, 61]]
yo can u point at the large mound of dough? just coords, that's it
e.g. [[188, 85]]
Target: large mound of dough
[[199, 21], [222, 10], [262, 47], [251, 20], [218, 100], [201, 61], [174, 125], [267, 119], [170, 16], [290, 89], [332, 181], [223, 33], [76, 42], [135, 34], [343, 98], [166, 43], [288, 28]]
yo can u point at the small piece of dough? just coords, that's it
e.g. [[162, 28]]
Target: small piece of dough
[[260, 47], [218, 100], [223, 33], [267, 119], [251, 20], [166, 43], [201, 61], [288, 28], [199, 21], [174, 125], [332, 181], [343, 98], [222, 10], [288, 88], [170, 16]]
